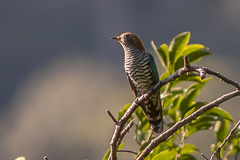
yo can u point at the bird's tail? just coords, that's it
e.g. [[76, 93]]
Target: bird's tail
[[153, 110]]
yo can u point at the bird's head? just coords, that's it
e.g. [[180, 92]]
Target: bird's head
[[130, 41]]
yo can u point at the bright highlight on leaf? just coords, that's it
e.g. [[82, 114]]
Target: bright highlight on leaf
[[177, 46]]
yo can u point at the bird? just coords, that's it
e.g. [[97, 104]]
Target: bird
[[142, 74]]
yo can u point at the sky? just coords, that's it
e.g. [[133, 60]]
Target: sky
[[60, 70]]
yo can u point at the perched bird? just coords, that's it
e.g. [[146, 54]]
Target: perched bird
[[142, 74]]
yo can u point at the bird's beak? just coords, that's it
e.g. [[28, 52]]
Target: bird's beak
[[117, 38]]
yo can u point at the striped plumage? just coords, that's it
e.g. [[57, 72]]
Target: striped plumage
[[142, 74]]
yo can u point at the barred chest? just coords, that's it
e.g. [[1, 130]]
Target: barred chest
[[139, 72]]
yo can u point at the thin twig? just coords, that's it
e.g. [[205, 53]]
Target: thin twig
[[124, 132], [204, 156], [128, 151], [223, 78], [225, 140], [112, 117]]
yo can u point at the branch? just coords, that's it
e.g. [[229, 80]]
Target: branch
[[164, 136], [118, 130], [204, 156], [133, 152], [225, 140], [124, 132], [223, 78], [112, 117]]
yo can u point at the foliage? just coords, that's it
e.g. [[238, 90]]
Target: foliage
[[178, 103]]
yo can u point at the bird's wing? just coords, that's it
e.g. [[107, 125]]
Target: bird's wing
[[132, 86], [153, 68]]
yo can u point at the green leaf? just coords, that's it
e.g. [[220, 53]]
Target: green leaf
[[106, 155], [235, 135], [201, 123], [164, 75], [173, 110], [142, 127], [213, 147], [191, 78], [166, 155], [189, 97], [219, 112], [199, 85], [201, 126], [162, 53], [149, 157], [177, 46], [221, 129], [173, 93], [120, 146], [122, 111], [192, 48], [139, 114], [166, 145], [171, 68], [167, 102], [196, 56], [144, 145], [188, 148], [143, 122], [186, 157], [234, 141], [195, 106], [202, 120], [193, 57]]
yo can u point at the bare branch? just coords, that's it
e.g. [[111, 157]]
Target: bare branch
[[223, 78], [204, 156], [124, 132], [225, 140], [186, 62], [118, 129], [112, 117], [127, 151], [202, 73]]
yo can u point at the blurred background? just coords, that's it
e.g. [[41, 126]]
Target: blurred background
[[60, 70]]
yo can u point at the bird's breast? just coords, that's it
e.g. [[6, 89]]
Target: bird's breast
[[139, 73]]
